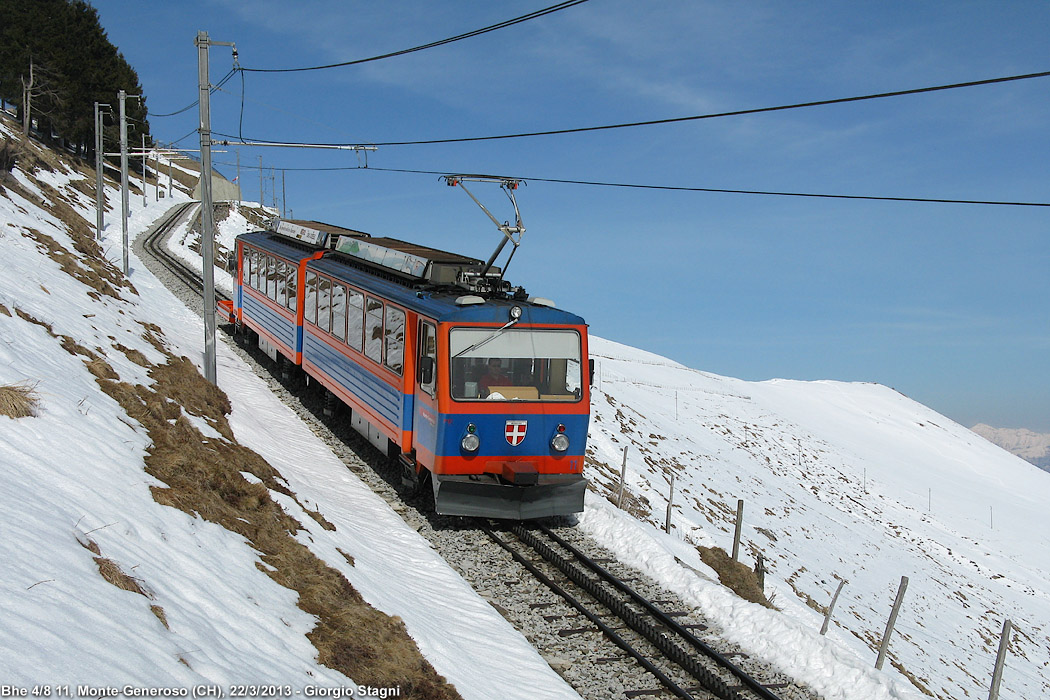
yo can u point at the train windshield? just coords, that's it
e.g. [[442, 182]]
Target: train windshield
[[515, 364]]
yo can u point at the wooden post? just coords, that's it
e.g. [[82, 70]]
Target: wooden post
[[760, 573], [889, 623], [997, 674], [831, 607], [670, 503], [623, 477], [739, 524]]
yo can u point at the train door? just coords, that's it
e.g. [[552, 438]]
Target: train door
[[425, 403]]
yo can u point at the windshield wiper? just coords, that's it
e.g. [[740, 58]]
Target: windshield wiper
[[494, 335]]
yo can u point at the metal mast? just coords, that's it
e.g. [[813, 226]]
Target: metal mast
[[207, 211]]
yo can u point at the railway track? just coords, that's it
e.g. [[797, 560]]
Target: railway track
[[154, 240], [598, 595], [578, 587]]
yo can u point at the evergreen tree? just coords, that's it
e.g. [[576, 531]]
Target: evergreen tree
[[64, 39]]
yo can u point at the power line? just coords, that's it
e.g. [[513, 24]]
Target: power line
[[735, 113], [670, 188], [196, 102], [721, 190], [698, 117], [433, 44]]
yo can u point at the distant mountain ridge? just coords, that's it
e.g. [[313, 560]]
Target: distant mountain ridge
[[1029, 446]]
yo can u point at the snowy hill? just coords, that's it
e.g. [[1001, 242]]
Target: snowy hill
[[852, 481], [847, 480], [1030, 446]]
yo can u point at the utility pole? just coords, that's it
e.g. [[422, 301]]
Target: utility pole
[[144, 171], [100, 196], [284, 194], [261, 203], [207, 212], [122, 97]]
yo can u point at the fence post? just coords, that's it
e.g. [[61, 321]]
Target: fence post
[[670, 502], [831, 607], [889, 623], [623, 477], [739, 523], [760, 573], [997, 675]]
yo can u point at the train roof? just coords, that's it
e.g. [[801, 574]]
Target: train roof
[[279, 245], [445, 304], [433, 293]]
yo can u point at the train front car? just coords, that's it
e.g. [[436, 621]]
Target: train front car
[[507, 409]]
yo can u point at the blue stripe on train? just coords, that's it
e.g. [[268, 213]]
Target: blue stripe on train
[[384, 399], [274, 323], [492, 431]]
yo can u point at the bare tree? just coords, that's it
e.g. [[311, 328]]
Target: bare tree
[[32, 90]]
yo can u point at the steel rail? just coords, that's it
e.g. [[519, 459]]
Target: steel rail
[[667, 646], [601, 625], [664, 618]]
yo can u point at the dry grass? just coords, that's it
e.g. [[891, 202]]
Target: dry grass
[[90, 266], [18, 400], [734, 575], [112, 572], [203, 478], [69, 344]]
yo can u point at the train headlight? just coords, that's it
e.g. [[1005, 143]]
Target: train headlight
[[515, 313], [560, 442], [470, 442]]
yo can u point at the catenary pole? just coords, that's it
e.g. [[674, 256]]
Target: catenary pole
[[207, 212], [122, 98], [144, 172], [100, 195]]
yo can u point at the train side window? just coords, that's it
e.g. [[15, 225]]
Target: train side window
[[280, 281], [427, 356], [374, 330], [246, 272], [339, 312], [257, 271], [355, 312], [394, 339], [292, 286], [271, 277], [324, 303], [310, 305]]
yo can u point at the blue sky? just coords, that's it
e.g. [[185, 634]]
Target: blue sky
[[947, 303]]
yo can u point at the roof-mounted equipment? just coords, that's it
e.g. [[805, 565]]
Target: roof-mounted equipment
[[510, 233]]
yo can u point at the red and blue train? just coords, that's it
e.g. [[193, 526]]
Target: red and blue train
[[474, 387]]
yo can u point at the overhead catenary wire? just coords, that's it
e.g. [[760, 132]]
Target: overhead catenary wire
[[722, 190], [441, 42], [699, 117], [225, 79], [670, 188]]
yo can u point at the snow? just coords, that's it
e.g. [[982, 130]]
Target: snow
[[847, 480]]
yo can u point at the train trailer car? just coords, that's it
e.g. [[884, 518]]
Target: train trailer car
[[474, 387]]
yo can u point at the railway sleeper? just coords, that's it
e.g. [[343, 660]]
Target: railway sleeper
[[710, 681]]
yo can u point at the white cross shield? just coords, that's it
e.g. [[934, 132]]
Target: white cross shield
[[515, 431]]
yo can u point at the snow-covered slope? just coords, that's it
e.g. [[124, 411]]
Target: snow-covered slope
[[1030, 446], [852, 481]]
